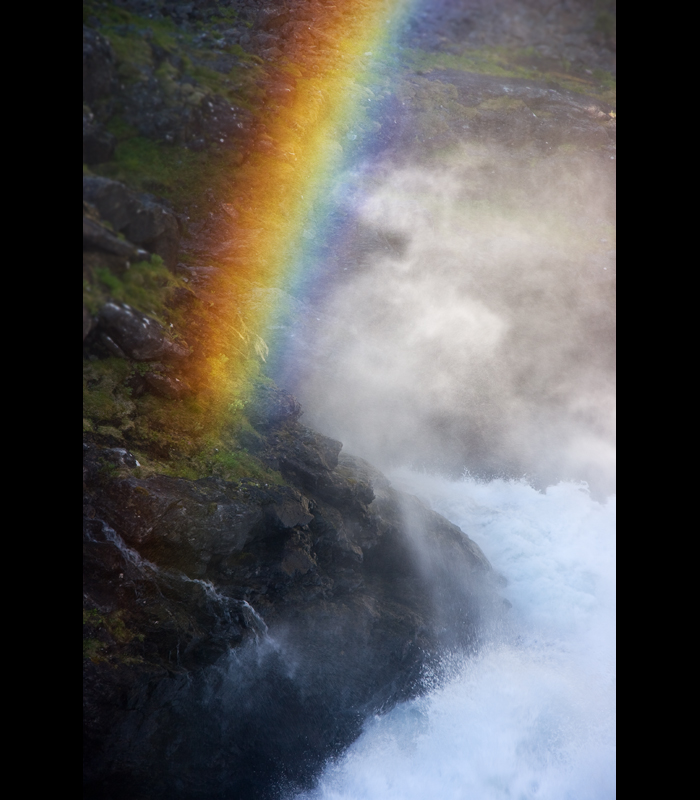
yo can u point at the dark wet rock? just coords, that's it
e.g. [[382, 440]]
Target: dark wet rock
[[186, 623], [111, 346], [98, 143], [272, 407], [359, 590], [119, 457], [293, 511], [154, 227], [97, 237], [272, 17], [140, 217], [112, 200], [99, 66], [144, 631], [168, 386], [138, 335]]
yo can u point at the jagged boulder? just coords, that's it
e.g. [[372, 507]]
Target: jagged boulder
[[140, 217], [272, 407], [97, 237], [139, 336], [168, 386]]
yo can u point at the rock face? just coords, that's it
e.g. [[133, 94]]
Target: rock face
[[140, 217], [355, 587], [98, 143], [238, 633], [99, 66], [138, 336]]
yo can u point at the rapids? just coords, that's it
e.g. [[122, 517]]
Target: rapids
[[533, 715]]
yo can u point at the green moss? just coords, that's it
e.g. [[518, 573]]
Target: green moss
[[92, 616], [605, 79], [238, 85], [92, 650], [113, 623], [492, 61], [178, 173], [118, 126], [109, 432], [503, 103], [145, 286], [118, 629], [234, 465], [240, 558], [172, 171], [106, 400], [115, 628], [132, 50], [606, 23], [225, 16], [204, 461], [93, 298], [507, 62], [111, 281]]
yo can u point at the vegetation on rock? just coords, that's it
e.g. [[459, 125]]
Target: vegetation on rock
[[202, 490]]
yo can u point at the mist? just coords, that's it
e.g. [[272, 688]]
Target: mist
[[469, 323]]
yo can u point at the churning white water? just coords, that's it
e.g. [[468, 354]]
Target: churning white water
[[533, 716]]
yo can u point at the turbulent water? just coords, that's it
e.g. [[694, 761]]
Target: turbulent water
[[534, 715]]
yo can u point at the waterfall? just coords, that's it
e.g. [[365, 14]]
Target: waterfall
[[533, 715]]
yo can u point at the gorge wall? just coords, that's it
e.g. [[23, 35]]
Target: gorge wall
[[252, 593]]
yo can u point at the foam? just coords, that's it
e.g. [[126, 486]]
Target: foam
[[533, 716]]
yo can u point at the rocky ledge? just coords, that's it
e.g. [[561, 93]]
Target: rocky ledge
[[238, 633], [249, 599]]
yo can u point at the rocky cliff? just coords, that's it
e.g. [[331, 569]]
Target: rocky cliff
[[252, 593], [238, 632]]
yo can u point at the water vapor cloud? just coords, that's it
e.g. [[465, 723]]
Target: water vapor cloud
[[476, 331]]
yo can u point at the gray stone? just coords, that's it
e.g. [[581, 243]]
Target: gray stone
[[138, 335], [141, 218], [99, 66], [166, 385], [272, 407], [97, 237], [98, 143], [111, 346]]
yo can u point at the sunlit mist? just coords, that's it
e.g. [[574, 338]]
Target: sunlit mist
[[481, 336]]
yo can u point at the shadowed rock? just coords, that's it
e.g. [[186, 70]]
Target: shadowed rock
[[143, 220], [361, 588], [98, 143], [272, 407], [99, 66], [97, 237]]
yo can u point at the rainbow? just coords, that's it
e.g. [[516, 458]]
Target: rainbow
[[318, 112]]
